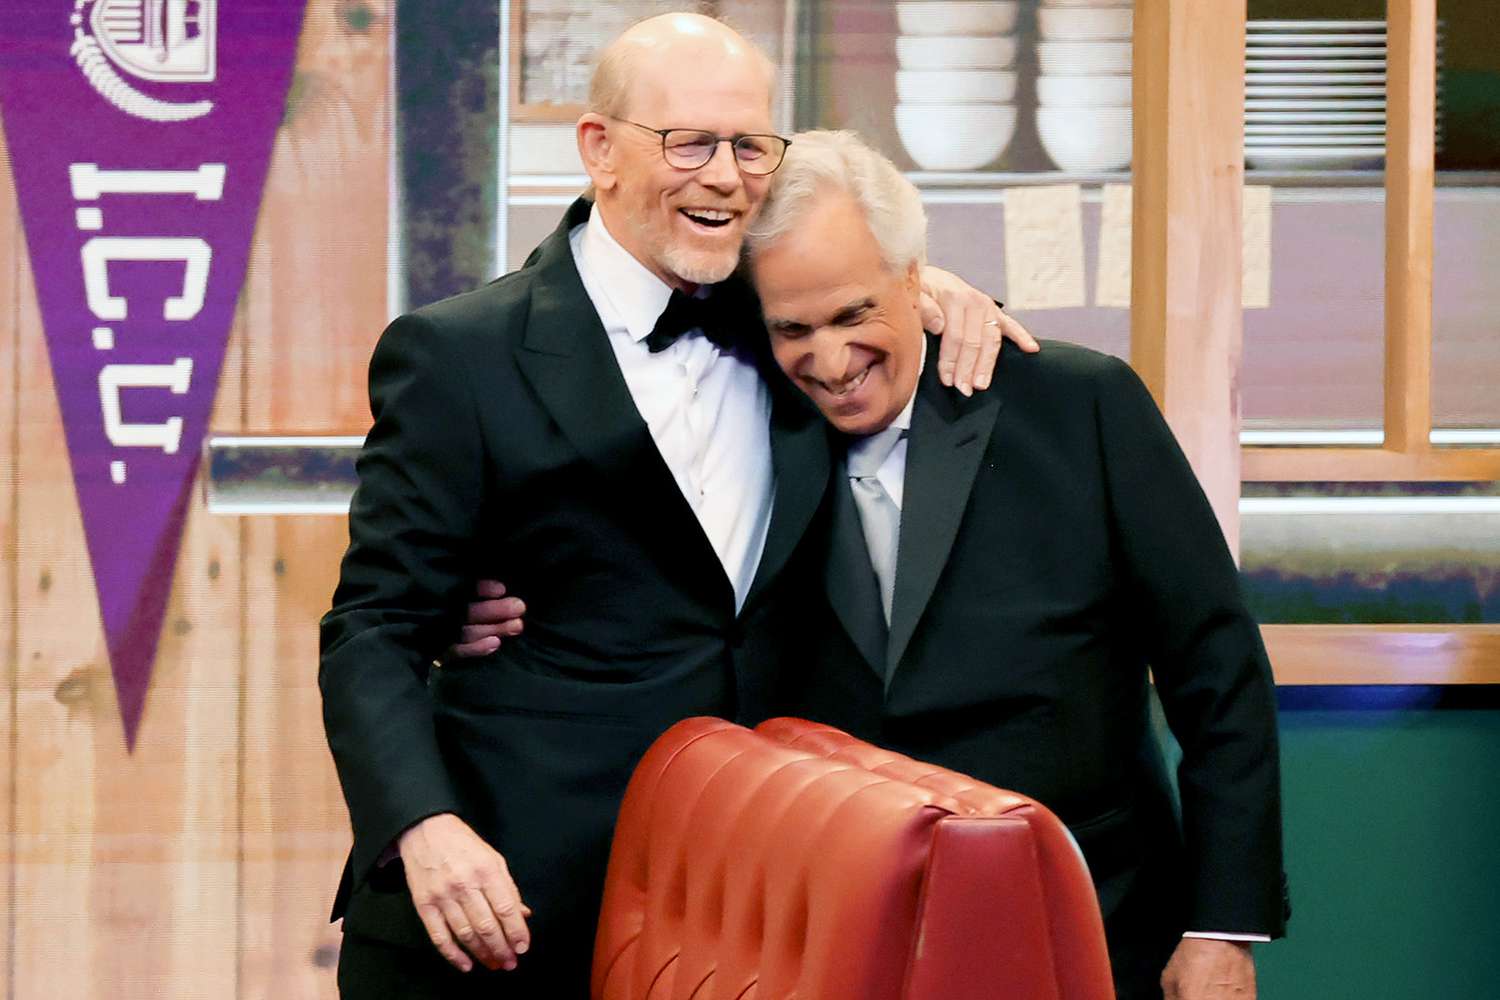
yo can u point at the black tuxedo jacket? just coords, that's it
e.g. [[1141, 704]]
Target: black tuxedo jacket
[[505, 444], [1054, 545]]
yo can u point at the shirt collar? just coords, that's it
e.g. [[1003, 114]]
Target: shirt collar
[[637, 296]]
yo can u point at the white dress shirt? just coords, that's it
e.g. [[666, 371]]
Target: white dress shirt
[[708, 410], [892, 476]]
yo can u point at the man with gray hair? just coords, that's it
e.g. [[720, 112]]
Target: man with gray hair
[[1003, 570], [597, 429]]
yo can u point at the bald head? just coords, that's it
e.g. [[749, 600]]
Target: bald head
[[663, 51]]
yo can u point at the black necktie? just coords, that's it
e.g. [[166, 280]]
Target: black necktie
[[684, 313]]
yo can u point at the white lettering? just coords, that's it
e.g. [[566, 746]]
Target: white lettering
[[89, 182], [99, 251], [112, 378]]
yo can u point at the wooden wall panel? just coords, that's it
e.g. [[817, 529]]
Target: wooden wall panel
[[125, 864], [12, 254], [66, 719], [314, 305]]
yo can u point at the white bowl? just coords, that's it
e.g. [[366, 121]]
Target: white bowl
[[917, 52], [1085, 140], [960, 86], [955, 136], [1083, 91], [1084, 23], [964, 17], [1083, 58]]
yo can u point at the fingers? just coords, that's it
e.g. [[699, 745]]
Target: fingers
[[989, 352], [490, 589], [487, 941], [474, 633], [506, 905], [464, 894], [496, 611], [441, 938], [949, 346], [469, 650], [1012, 330], [970, 324]]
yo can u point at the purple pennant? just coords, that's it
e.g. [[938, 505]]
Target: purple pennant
[[140, 132]]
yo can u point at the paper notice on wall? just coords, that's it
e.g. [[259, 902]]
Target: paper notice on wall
[[1044, 247], [1255, 289], [1112, 284]]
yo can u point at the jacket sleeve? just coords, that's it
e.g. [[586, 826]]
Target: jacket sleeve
[[1208, 662], [413, 526]]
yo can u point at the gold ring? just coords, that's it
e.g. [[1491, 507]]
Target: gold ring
[[992, 322]]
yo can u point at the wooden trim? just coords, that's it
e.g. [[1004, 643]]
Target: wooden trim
[[1186, 323], [1349, 465], [1384, 654], [1409, 177]]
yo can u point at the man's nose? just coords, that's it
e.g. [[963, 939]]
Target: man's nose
[[830, 356], [721, 172]]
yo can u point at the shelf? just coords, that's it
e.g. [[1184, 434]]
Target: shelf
[[996, 180]]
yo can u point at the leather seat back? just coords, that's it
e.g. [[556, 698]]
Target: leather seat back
[[797, 861]]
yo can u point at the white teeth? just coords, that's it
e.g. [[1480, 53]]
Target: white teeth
[[709, 214], [849, 386]]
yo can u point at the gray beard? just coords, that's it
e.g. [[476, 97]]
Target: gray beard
[[694, 268]]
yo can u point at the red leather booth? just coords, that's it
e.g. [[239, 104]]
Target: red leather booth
[[796, 861]]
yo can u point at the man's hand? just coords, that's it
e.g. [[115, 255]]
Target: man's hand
[[464, 894], [972, 326], [491, 618], [1208, 969]]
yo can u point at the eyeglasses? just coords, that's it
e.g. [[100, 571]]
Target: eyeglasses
[[691, 148]]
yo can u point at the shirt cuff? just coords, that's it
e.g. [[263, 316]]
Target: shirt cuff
[[1222, 936]]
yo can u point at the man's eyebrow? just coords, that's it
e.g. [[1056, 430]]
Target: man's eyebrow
[[775, 323], [853, 309], [844, 314]]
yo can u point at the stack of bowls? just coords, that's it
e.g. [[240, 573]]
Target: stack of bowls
[[1083, 91], [1315, 95], [955, 87]]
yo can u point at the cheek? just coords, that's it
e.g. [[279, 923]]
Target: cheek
[[786, 357]]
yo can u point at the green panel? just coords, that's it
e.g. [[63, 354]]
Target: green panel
[[1393, 854]]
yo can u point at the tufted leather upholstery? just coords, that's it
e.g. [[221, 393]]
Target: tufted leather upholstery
[[797, 861]]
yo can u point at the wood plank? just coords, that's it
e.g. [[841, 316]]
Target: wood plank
[[65, 710], [1411, 88], [314, 304], [126, 864], [1384, 654], [1349, 465], [1186, 249], [12, 252]]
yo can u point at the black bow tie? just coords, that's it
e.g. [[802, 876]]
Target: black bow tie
[[684, 313]]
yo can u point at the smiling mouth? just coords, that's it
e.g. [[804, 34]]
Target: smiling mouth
[[848, 387], [709, 218]]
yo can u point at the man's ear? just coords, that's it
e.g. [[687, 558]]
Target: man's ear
[[597, 151], [913, 282]]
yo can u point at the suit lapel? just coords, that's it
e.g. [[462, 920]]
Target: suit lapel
[[947, 441], [568, 361], [800, 461]]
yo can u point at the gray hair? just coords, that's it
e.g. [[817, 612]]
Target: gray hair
[[820, 161]]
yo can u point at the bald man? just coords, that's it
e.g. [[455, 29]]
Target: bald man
[[597, 430]]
